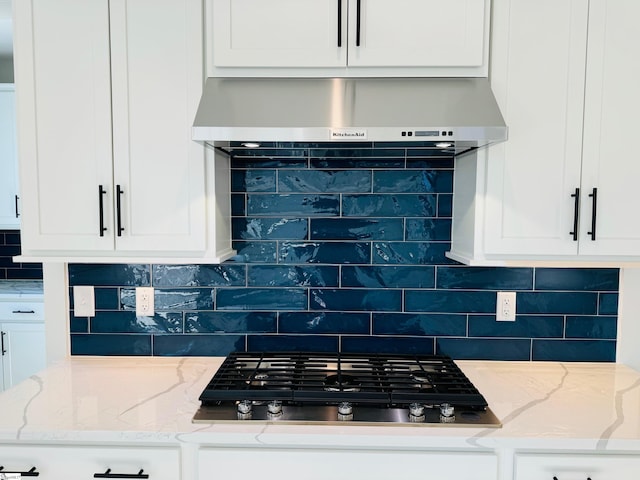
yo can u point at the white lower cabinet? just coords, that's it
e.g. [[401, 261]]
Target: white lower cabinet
[[82, 463], [346, 464], [9, 208], [536, 466]]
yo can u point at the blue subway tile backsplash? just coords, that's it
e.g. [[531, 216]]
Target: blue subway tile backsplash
[[341, 247], [10, 270]]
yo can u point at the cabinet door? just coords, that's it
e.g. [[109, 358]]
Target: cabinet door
[[417, 33], [157, 77], [24, 351], [8, 160], [322, 464], [279, 33], [64, 117], [81, 463], [612, 103], [538, 81], [576, 467]]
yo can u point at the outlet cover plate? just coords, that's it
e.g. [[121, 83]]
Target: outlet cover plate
[[144, 302], [84, 303], [506, 307]]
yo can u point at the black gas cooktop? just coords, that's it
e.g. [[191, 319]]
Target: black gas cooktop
[[304, 387]]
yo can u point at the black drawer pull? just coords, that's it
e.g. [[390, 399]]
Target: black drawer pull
[[101, 193], [358, 15], [108, 474], [29, 473], [17, 211], [119, 193], [339, 23], [23, 311], [594, 211], [2, 334]]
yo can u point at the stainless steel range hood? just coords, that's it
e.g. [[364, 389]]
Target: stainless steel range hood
[[462, 111]]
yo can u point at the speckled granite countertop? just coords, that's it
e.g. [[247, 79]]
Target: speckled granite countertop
[[541, 405]]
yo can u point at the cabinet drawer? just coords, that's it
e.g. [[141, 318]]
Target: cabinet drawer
[[18, 311], [81, 463], [530, 466], [323, 464]]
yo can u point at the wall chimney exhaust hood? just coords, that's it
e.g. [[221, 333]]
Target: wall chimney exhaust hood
[[460, 112]]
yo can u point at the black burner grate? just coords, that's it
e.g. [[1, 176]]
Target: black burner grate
[[298, 378]]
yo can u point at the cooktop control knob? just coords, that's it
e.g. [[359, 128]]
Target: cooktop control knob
[[345, 411], [244, 406], [274, 408], [447, 413]]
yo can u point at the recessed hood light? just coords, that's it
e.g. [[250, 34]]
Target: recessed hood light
[[444, 144], [251, 144]]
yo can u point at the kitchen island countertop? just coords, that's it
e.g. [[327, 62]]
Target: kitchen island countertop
[[21, 289], [590, 406]]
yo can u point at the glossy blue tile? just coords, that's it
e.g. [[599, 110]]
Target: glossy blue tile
[[525, 326], [574, 350], [238, 204], [484, 348], [389, 205], [444, 324], [445, 205], [413, 181], [357, 229], [431, 162], [24, 273], [602, 328], [230, 322], [324, 252], [106, 298], [402, 345], [449, 301], [594, 279], [269, 153], [411, 253], [353, 300], [268, 162], [255, 252], [325, 181], [292, 343], [261, 299], [128, 322], [429, 229], [608, 304], [112, 345], [172, 299], [353, 162], [198, 275], [258, 180], [110, 275], [390, 276], [576, 303], [429, 150], [258, 228], [357, 152], [12, 237], [485, 278], [293, 276], [79, 325], [324, 322], [293, 204], [197, 345]]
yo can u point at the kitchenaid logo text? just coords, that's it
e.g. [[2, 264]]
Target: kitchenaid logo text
[[342, 133]]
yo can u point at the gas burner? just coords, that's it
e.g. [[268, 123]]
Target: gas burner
[[341, 383], [263, 380]]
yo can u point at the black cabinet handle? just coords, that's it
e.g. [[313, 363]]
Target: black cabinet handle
[[576, 213], [30, 473], [108, 474], [23, 311], [101, 193], [17, 212], [594, 206], [2, 334], [339, 23], [358, 12], [119, 193]]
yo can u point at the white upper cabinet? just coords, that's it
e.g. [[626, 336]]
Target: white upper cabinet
[[9, 206], [334, 34], [569, 99], [612, 103], [107, 94]]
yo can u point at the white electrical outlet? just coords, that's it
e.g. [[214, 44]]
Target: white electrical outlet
[[84, 303], [144, 301], [506, 307]]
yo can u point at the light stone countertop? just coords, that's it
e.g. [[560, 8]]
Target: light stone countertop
[[587, 406], [21, 290]]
